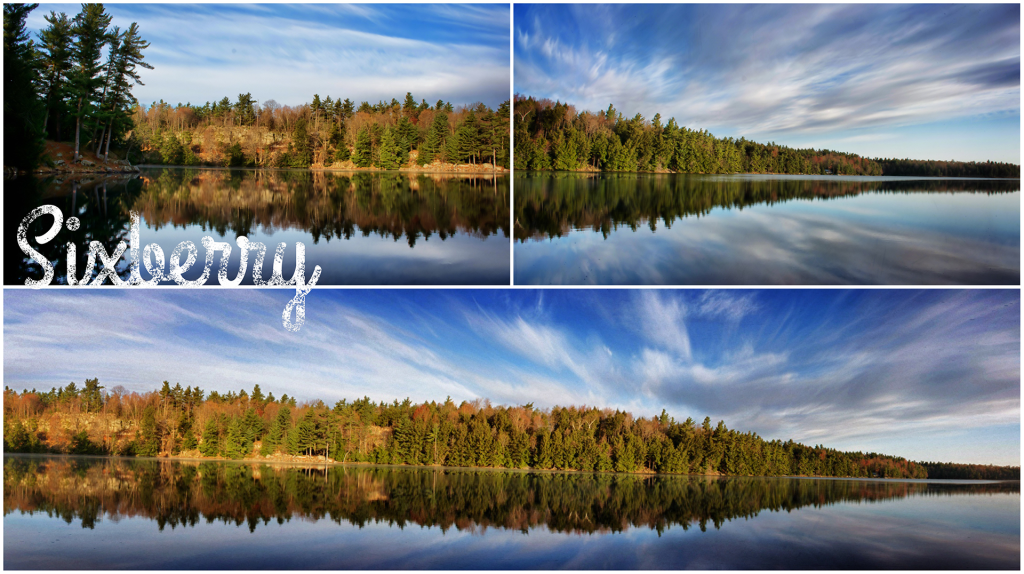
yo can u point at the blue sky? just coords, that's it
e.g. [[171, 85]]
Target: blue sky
[[930, 374], [904, 80], [288, 52]]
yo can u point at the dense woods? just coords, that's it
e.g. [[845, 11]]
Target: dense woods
[[175, 421], [971, 471], [554, 135], [189, 493], [74, 84], [324, 133]]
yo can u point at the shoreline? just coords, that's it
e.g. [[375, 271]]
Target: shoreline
[[122, 169], [882, 177], [299, 461]]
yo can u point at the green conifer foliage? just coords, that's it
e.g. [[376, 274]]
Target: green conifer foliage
[[363, 156], [388, 150], [149, 440], [211, 439], [23, 111]]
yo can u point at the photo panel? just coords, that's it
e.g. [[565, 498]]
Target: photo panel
[[592, 429], [771, 144], [369, 141]]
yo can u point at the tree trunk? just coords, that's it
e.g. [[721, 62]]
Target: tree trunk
[[110, 129], [78, 129], [99, 146]]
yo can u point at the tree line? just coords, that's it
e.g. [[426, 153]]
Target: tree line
[[62, 87], [326, 132], [239, 425], [553, 135]]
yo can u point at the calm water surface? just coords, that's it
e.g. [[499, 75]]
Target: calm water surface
[[360, 228], [652, 229], [76, 513]]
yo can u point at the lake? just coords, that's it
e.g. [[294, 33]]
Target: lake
[[95, 513], [361, 228], [674, 229]]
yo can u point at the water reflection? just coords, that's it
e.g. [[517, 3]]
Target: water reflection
[[359, 227], [182, 493], [527, 513], [679, 229]]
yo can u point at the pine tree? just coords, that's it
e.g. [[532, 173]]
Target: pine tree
[[234, 443], [211, 439], [363, 154], [453, 147], [407, 135], [388, 150], [409, 107], [278, 435], [172, 151], [188, 438], [90, 31], [434, 146], [23, 112], [149, 440], [468, 136], [245, 110], [300, 142], [56, 51]]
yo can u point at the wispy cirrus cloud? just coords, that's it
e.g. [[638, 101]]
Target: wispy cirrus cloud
[[798, 74], [203, 52]]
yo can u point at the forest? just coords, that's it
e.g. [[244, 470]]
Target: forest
[[555, 136], [61, 88], [325, 133], [190, 422]]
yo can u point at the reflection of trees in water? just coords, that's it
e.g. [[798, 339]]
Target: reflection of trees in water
[[550, 205], [325, 204], [100, 204], [182, 493]]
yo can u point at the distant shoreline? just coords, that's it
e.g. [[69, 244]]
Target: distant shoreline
[[779, 175], [299, 462]]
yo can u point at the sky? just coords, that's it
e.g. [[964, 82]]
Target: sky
[[925, 374], [904, 80], [288, 52]]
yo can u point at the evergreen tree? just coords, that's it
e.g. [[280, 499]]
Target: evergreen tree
[[245, 110], [434, 146], [363, 153], [90, 31], [172, 151], [23, 111], [188, 438], [149, 440], [409, 107], [388, 150], [303, 154], [234, 442], [211, 439], [278, 435], [55, 45]]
